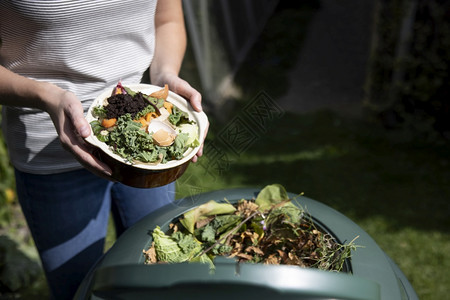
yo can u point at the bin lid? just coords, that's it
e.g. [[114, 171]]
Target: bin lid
[[374, 275], [228, 281]]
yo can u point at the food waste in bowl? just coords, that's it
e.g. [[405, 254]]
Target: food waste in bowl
[[156, 165]]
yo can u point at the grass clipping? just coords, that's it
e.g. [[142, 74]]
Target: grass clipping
[[269, 229]]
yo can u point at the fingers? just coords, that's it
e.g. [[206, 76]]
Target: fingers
[[194, 97], [67, 115], [83, 152], [73, 128], [90, 162], [184, 89], [200, 150]]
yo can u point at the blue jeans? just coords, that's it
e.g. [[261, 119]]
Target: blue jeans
[[68, 215]]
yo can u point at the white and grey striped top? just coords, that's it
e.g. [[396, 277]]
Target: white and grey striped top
[[83, 46]]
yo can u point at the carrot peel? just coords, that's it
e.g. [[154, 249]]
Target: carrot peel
[[107, 123], [168, 106], [161, 94]]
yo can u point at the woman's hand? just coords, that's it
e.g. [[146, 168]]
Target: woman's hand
[[184, 89], [67, 115], [170, 46], [64, 108]]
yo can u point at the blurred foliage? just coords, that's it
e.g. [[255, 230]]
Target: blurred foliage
[[16, 269], [19, 267], [7, 184], [276, 50], [408, 82]]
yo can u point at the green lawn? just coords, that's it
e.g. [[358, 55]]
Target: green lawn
[[395, 189]]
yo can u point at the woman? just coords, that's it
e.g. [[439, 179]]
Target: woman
[[55, 57]]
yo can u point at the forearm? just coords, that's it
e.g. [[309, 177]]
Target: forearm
[[170, 43], [63, 107], [170, 46], [17, 90]]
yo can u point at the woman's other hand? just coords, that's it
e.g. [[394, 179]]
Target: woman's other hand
[[184, 89]]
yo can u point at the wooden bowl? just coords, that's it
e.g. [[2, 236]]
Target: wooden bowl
[[145, 175]]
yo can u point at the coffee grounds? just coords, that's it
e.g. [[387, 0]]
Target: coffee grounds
[[121, 104]]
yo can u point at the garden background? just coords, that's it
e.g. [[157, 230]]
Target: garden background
[[362, 128]]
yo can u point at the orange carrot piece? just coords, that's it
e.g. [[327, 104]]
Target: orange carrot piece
[[161, 94], [150, 116], [107, 123], [168, 106], [143, 121]]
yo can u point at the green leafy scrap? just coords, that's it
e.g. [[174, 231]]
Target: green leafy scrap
[[224, 223], [274, 231], [178, 117], [99, 112], [167, 248], [210, 208], [144, 112], [178, 248], [270, 195], [157, 102], [208, 234]]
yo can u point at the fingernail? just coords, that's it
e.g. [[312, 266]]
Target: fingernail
[[85, 131]]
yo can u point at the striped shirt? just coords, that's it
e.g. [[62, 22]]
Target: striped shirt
[[83, 46]]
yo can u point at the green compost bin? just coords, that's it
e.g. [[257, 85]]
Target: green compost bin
[[122, 274]]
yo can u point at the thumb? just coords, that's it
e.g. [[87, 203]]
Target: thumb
[[194, 97], [76, 114], [82, 127]]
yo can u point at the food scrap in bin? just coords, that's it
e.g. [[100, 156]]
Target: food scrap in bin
[[269, 229]]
